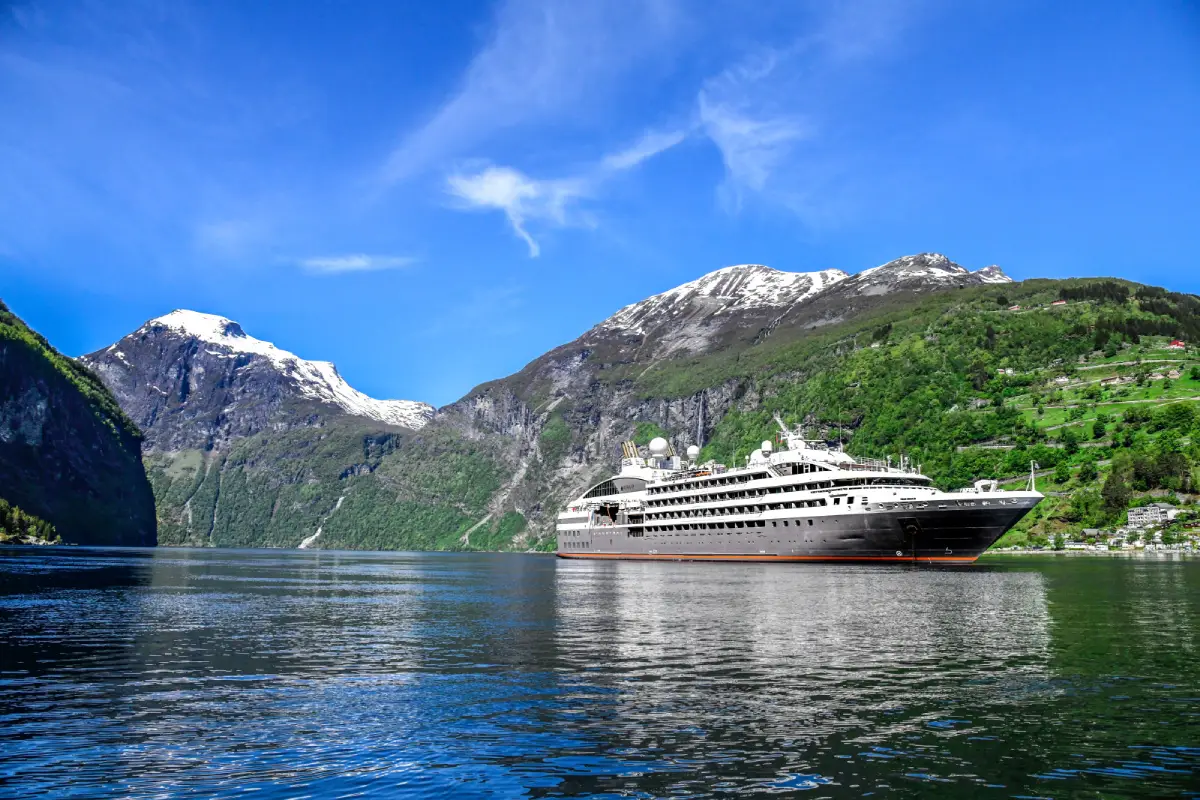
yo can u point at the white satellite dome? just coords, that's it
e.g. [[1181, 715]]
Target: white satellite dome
[[766, 446], [693, 452], [659, 447]]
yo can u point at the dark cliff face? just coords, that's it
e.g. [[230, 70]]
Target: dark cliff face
[[197, 381], [183, 394], [67, 453]]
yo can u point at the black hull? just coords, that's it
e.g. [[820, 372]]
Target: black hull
[[951, 536]]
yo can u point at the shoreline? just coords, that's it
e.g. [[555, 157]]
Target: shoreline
[[1131, 553]]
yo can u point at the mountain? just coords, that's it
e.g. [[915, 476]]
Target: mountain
[[246, 443], [918, 355], [68, 455], [747, 302], [198, 380]]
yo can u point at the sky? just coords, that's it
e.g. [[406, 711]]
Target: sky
[[431, 195]]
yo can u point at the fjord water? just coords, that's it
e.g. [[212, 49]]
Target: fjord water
[[210, 673]]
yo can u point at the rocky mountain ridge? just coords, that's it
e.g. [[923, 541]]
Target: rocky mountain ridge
[[242, 454], [198, 380]]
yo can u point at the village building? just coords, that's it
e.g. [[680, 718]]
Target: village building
[[1152, 515], [1177, 344], [1059, 303], [1014, 308], [1062, 380], [1174, 374]]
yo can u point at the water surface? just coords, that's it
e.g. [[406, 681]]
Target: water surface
[[202, 673]]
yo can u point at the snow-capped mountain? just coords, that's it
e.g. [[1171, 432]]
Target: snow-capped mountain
[[921, 272], [196, 380], [750, 301], [726, 291]]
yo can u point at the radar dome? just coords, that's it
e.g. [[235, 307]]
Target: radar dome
[[693, 452], [766, 447], [659, 447]]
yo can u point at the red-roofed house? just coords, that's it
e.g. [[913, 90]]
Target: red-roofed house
[[1177, 344]]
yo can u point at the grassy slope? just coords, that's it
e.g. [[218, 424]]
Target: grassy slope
[[925, 380], [364, 488], [919, 375]]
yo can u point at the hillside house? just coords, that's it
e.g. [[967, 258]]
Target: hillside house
[[1007, 371], [1059, 303], [1014, 308], [1177, 344], [1174, 374], [1062, 380], [1115, 380], [1152, 515], [1156, 376]]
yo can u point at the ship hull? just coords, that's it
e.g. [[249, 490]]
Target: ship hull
[[948, 537]]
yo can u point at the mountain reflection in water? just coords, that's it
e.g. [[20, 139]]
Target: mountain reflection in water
[[316, 674]]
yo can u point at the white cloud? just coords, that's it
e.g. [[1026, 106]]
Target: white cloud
[[650, 145], [354, 262], [520, 198], [739, 113], [770, 115], [752, 145], [545, 62]]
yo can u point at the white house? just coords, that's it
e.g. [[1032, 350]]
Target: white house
[[1151, 515]]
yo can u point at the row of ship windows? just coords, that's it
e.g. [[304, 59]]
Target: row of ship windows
[[892, 483], [708, 498], [708, 512], [726, 481], [577, 545], [717, 526]]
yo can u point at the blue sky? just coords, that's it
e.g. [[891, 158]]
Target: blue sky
[[432, 194]]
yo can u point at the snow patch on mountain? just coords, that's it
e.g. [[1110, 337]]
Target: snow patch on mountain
[[317, 380], [924, 270], [992, 274], [724, 291]]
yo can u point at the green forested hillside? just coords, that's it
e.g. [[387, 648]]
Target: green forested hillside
[[68, 455], [970, 382], [17, 526], [972, 389], [361, 487]]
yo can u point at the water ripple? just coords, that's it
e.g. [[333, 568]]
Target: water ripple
[[176, 673]]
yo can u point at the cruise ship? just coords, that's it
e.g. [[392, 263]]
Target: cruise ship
[[801, 501]]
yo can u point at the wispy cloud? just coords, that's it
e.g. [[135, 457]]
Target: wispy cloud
[[753, 142], [544, 62], [520, 198], [650, 145], [768, 113], [523, 199], [354, 262]]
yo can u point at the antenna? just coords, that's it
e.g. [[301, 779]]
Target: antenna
[[1033, 467]]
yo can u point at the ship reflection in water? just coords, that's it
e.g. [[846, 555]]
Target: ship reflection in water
[[214, 673]]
